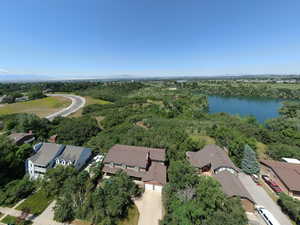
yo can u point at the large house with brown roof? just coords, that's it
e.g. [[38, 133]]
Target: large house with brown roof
[[145, 165], [287, 175], [214, 161]]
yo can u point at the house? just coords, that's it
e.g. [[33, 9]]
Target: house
[[48, 155], [22, 99], [214, 161], [21, 138], [2, 98], [145, 165], [286, 175], [73, 155]]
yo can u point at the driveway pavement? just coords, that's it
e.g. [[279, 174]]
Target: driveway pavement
[[150, 208], [46, 217], [262, 198], [77, 103]]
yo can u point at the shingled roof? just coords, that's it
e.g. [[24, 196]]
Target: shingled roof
[[288, 173], [134, 155], [211, 154], [232, 186], [71, 153], [46, 153], [18, 137], [138, 157]]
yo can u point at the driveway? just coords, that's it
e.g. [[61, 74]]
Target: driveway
[[261, 197], [150, 208], [77, 103], [46, 217]]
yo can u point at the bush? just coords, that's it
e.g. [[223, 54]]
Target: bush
[[16, 191], [290, 206]]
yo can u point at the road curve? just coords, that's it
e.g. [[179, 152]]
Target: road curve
[[77, 103]]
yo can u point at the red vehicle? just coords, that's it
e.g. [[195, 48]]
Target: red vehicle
[[272, 184]]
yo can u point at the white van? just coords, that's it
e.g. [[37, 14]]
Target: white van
[[266, 215]]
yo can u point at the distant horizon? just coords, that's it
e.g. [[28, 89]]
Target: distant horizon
[[28, 77]]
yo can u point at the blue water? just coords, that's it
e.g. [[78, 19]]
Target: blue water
[[261, 108]]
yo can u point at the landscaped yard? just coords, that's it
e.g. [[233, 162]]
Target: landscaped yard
[[133, 217], [89, 101], [41, 107], [13, 220], [36, 203]]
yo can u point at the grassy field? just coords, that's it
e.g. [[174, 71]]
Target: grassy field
[[37, 203], [133, 217], [40, 107], [89, 101], [12, 220]]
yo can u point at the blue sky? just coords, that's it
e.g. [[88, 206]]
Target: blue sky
[[109, 38]]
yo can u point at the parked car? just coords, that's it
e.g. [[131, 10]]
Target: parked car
[[272, 184], [255, 178], [266, 215]]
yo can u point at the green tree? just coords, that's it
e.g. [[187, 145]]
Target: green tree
[[250, 164], [63, 210]]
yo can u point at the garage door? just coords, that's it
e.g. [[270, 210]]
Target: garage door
[[157, 188], [149, 187]]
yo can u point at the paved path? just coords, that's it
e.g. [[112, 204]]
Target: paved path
[[77, 103], [150, 208], [262, 198], [46, 218]]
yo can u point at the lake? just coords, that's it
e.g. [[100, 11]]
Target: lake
[[261, 108]]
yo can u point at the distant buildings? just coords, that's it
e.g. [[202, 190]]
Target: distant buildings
[[145, 165], [48, 155]]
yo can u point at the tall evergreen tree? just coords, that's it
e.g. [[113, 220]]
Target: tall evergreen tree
[[250, 164]]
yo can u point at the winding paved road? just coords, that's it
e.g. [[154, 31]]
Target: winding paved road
[[77, 103]]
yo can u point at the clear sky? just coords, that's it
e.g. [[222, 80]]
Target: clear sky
[[107, 38]]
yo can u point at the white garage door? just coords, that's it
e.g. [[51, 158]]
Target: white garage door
[[149, 187], [157, 188]]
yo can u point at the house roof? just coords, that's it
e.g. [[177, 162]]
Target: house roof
[[211, 154], [134, 155], [71, 153], [232, 186], [46, 153], [157, 173], [288, 173], [16, 137]]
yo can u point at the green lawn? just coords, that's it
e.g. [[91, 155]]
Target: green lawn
[[133, 217], [37, 203], [13, 220], [41, 107]]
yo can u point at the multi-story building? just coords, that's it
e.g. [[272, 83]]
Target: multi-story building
[[145, 165], [48, 155]]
